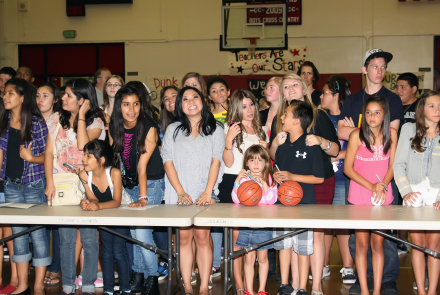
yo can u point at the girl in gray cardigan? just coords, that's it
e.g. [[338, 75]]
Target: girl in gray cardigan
[[418, 179]]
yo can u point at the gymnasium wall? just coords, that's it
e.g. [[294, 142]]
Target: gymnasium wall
[[172, 37]]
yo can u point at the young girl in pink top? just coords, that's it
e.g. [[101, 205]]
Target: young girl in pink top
[[257, 167], [369, 165]]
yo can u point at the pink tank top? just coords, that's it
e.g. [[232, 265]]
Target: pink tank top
[[368, 164]]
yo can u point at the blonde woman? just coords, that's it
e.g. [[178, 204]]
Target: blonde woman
[[320, 132]]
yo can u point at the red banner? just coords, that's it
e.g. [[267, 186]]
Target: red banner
[[274, 15]]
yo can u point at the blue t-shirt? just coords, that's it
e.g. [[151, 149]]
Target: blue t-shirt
[[339, 175]]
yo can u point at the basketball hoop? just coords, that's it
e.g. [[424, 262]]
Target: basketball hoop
[[251, 44]]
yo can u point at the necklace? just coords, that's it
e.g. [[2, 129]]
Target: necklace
[[404, 111]]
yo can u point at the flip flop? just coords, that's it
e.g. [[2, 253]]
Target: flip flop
[[54, 281]]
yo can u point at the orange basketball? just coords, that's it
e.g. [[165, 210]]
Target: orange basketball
[[249, 193], [290, 193]]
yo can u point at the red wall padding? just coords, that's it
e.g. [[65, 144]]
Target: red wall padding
[[33, 57], [112, 56], [71, 60]]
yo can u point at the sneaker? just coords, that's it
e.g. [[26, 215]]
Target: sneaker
[[193, 278], [301, 292], [286, 290], [162, 268], [78, 282], [210, 283], [216, 271], [325, 272], [246, 292], [426, 284], [99, 283], [108, 293], [348, 276], [402, 249], [151, 286], [263, 293]]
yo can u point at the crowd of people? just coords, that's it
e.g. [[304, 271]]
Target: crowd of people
[[203, 143]]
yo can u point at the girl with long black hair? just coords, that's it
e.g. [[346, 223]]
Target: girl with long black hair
[[134, 136], [80, 121], [23, 134], [192, 154]]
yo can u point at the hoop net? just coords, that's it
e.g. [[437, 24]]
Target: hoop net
[[251, 44]]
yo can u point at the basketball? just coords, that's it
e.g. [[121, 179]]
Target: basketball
[[249, 193], [290, 193]]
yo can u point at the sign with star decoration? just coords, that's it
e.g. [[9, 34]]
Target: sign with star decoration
[[266, 62], [273, 16]]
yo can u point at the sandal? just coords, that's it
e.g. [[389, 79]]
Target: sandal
[[53, 281]]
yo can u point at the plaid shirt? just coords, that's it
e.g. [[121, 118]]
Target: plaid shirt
[[31, 172]]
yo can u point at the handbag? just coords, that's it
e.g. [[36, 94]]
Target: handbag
[[67, 185]]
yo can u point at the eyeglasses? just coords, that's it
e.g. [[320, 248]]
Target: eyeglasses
[[113, 85]]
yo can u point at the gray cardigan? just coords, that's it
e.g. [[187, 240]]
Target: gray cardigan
[[408, 164]]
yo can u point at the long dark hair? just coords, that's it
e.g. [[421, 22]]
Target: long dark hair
[[338, 86], [58, 105], [365, 132], [418, 140], [105, 94], [235, 114], [150, 110], [207, 124], [99, 148], [29, 108], [166, 118], [118, 120], [82, 88]]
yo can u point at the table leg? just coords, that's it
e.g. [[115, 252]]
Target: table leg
[[225, 260], [178, 273], [170, 260], [231, 266]]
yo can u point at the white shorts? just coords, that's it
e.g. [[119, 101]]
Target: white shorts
[[428, 193]]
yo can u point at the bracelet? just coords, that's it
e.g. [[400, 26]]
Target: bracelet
[[81, 120], [226, 149], [143, 197], [321, 141], [328, 147], [236, 185]]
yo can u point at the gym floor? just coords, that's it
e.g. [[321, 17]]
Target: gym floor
[[331, 285]]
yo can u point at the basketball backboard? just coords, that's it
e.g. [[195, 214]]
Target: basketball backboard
[[259, 25]]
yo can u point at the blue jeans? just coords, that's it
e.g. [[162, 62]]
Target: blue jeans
[[113, 248], [145, 261], [32, 192], [217, 241], [339, 198], [89, 239], [55, 266]]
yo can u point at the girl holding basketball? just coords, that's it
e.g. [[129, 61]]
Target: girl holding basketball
[[256, 167], [369, 164], [243, 129], [418, 181]]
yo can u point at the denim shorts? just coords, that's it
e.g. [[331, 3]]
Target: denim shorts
[[250, 236], [339, 198]]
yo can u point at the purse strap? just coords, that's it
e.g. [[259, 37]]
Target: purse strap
[[55, 155]]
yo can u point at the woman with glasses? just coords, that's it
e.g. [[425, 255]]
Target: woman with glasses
[[112, 85]]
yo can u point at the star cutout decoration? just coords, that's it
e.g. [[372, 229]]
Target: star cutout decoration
[[305, 49], [295, 52], [239, 70], [267, 60]]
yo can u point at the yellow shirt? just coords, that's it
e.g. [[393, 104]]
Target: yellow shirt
[[221, 117]]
